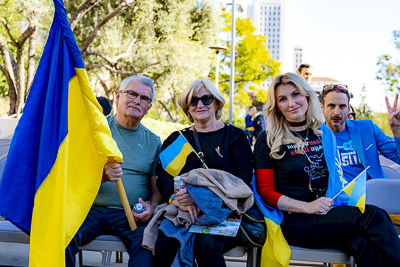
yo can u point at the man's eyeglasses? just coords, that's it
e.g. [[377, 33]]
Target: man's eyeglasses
[[205, 99], [329, 87], [133, 95]]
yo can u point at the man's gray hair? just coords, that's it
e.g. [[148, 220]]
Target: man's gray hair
[[142, 79]]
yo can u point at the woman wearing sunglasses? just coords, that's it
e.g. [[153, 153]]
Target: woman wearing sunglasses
[[295, 166], [225, 147]]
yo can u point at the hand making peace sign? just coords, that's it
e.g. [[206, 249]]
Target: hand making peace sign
[[394, 116]]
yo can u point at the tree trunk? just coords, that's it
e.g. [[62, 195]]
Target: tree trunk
[[20, 81], [31, 57], [9, 73]]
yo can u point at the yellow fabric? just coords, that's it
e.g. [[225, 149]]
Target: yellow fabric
[[175, 166], [361, 203], [349, 188], [395, 218], [64, 199], [276, 251]]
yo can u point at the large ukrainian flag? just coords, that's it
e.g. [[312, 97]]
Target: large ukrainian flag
[[58, 151], [173, 158]]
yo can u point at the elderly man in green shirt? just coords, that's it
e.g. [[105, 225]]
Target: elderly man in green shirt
[[140, 148]]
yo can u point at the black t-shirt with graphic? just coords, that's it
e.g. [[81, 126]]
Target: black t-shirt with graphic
[[293, 172]]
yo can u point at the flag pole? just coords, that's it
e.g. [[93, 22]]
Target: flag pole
[[344, 188], [124, 199]]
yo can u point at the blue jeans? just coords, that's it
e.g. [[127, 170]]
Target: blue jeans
[[102, 221], [370, 236]]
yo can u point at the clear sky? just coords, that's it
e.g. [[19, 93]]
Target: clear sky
[[342, 39]]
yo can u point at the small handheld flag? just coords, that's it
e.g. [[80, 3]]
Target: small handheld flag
[[356, 190], [173, 158]]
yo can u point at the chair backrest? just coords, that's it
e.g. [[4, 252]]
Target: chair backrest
[[4, 146], [384, 193], [3, 159], [391, 172], [384, 161]]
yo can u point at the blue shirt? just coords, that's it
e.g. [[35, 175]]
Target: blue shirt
[[349, 159]]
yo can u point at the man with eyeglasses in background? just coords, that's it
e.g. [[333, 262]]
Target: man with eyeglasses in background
[[140, 148], [358, 141]]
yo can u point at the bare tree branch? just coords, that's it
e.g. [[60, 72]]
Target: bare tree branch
[[133, 9], [145, 67], [96, 65], [81, 11], [166, 109], [6, 56], [120, 56], [105, 88], [8, 31], [105, 57], [113, 14], [25, 35], [30, 72], [135, 36]]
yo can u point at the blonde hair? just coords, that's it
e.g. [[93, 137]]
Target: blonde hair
[[186, 96], [276, 125]]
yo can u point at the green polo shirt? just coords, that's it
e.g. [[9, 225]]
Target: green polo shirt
[[140, 148]]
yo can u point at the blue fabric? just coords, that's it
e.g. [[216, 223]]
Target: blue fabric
[[351, 163], [102, 221], [43, 125], [336, 182], [212, 212], [368, 139], [210, 205], [271, 213], [249, 122], [184, 257]]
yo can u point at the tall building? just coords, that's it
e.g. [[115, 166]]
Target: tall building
[[297, 58], [268, 18]]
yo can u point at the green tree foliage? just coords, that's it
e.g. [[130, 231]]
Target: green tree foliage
[[364, 111], [253, 63], [166, 40], [381, 119], [19, 30], [389, 68]]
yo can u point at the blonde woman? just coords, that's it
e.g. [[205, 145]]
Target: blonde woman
[[295, 166]]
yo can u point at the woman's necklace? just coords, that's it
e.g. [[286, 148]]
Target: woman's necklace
[[305, 140]]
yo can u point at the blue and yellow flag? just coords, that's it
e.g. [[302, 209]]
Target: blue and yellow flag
[[58, 151], [356, 190], [276, 251], [173, 158]]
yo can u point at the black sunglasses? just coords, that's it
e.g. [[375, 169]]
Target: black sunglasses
[[205, 99]]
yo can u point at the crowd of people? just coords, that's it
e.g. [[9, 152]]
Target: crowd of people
[[298, 143]]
